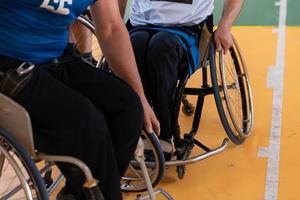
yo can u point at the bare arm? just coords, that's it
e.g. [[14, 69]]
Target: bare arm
[[231, 10], [116, 46]]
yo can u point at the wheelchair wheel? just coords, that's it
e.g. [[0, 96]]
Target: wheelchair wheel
[[133, 180], [232, 92], [19, 177], [83, 30]]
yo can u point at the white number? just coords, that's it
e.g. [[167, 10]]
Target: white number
[[61, 6]]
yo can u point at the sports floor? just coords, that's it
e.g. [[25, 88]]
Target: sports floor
[[267, 165]]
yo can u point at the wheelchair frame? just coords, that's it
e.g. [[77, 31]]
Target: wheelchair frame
[[185, 145]]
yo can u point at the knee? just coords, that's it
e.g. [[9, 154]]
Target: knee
[[139, 39], [162, 44], [139, 36], [134, 106], [132, 115]]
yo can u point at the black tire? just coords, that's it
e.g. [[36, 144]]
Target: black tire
[[236, 118], [33, 176], [133, 180], [181, 169]]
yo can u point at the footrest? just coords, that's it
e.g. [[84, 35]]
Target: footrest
[[194, 159], [156, 192]]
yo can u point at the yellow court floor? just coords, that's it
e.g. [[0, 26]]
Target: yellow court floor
[[244, 171]]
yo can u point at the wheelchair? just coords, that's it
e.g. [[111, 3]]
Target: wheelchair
[[229, 84]]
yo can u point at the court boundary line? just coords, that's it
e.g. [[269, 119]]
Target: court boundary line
[[276, 81]]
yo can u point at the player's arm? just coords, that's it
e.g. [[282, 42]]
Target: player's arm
[[115, 44], [122, 7], [231, 10]]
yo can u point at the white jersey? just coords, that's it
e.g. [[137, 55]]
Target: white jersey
[[170, 12]]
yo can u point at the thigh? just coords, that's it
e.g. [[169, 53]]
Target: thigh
[[119, 103], [164, 57], [60, 115], [107, 92], [65, 122], [140, 40], [164, 47]]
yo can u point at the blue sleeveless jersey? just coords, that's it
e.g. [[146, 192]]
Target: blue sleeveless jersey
[[37, 30]]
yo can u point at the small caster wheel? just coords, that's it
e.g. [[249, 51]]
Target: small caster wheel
[[188, 110], [181, 171]]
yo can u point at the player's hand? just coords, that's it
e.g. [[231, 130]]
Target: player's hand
[[223, 38], [150, 121]]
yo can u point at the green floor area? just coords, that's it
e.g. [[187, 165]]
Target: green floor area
[[261, 13]]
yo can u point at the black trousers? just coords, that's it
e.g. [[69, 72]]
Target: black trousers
[[79, 111], [161, 60]]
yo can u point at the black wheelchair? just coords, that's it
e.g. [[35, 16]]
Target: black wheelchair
[[229, 83]]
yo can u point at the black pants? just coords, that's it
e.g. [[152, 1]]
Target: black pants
[[79, 111], [161, 60]]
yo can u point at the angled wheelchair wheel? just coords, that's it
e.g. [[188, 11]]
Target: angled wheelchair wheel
[[232, 92], [84, 34], [133, 180], [19, 176]]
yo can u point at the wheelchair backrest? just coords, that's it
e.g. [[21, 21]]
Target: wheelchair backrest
[[15, 120], [205, 37], [203, 44]]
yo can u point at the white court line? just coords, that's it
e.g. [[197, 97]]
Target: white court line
[[275, 81]]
